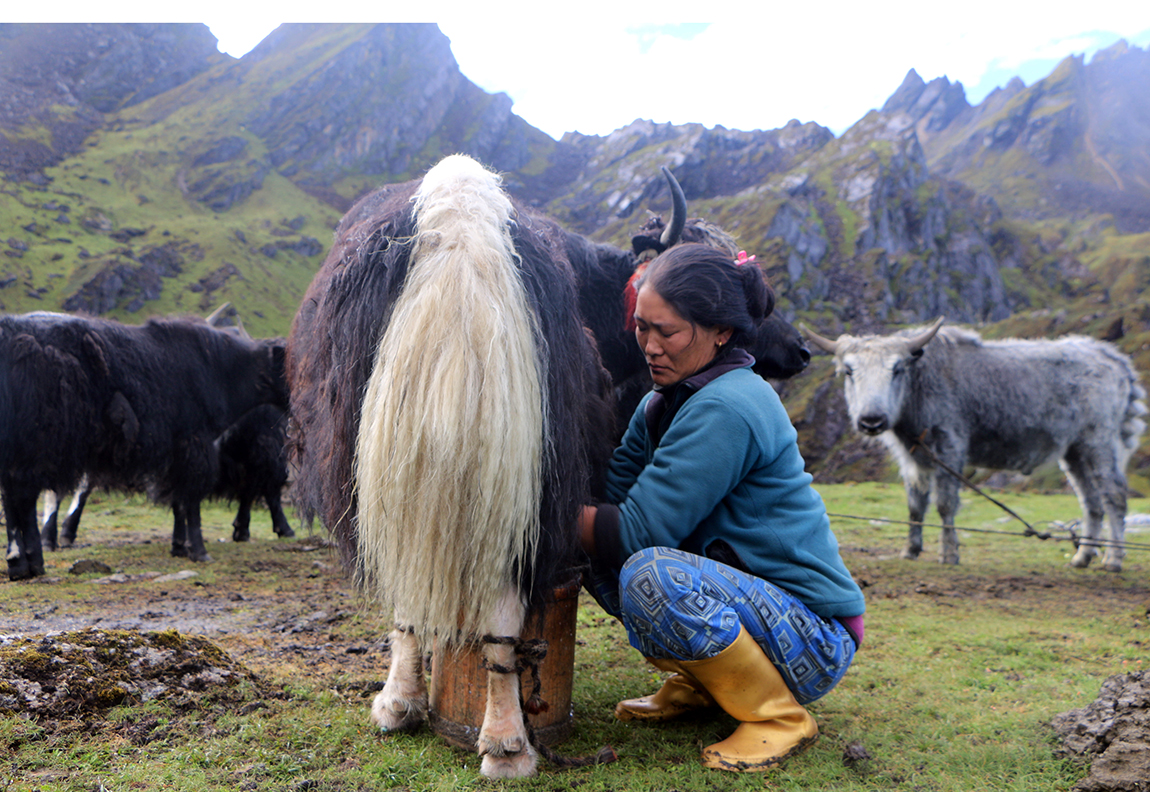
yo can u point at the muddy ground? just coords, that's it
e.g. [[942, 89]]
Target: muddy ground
[[283, 612]]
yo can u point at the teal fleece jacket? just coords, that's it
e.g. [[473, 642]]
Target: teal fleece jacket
[[728, 468]]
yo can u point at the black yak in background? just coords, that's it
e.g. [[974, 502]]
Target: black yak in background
[[137, 407]]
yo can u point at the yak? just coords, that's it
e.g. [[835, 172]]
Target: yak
[[453, 369], [136, 407], [944, 394], [448, 415], [604, 274], [253, 463]]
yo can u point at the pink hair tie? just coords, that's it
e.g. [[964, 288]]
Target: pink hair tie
[[744, 259]]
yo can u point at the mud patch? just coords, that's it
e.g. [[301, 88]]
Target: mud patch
[[1113, 734], [68, 681]]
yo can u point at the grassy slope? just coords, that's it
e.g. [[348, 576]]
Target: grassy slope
[[133, 174]]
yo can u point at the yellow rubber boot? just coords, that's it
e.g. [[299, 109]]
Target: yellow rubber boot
[[680, 694], [746, 684]]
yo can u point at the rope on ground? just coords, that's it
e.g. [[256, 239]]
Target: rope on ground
[[1070, 527]]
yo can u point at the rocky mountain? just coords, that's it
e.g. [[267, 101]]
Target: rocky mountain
[[1071, 145], [145, 172], [58, 81]]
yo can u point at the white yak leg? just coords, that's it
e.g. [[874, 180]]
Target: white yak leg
[[402, 704], [503, 742]]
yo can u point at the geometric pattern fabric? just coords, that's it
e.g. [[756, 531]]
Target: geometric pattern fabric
[[686, 607]]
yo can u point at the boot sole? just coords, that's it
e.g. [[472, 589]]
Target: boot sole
[[717, 762], [624, 714]]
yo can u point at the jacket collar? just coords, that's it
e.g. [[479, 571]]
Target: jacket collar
[[667, 400]]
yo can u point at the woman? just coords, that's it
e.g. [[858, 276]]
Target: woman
[[711, 545]]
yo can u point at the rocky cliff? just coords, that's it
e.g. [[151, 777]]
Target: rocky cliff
[[1071, 145], [58, 81]]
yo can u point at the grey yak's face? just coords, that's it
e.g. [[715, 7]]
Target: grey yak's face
[[876, 372]]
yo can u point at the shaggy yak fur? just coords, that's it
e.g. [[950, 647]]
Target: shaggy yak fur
[[253, 465], [449, 416], [602, 274], [946, 396], [133, 407]]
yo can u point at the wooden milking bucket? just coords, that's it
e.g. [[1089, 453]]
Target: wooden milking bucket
[[458, 695]]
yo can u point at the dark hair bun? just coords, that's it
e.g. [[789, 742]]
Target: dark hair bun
[[760, 295], [706, 287]]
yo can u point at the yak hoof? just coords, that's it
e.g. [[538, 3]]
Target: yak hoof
[[22, 568], [948, 560], [1113, 566], [179, 551], [393, 713], [911, 553], [240, 536], [517, 765], [286, 532], [20, 571], [1081, 560]]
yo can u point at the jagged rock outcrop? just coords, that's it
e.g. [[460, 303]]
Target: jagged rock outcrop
[[127, 281], [619, 171], [387, 103], [1070, 144], [62, 78], [935, 104], [863, 227]]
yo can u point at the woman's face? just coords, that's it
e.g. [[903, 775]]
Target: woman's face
[[675, 348]]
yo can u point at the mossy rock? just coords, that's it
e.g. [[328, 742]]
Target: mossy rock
[[81, 675]]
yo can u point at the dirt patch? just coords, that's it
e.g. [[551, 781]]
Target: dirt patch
[[1113, 734]]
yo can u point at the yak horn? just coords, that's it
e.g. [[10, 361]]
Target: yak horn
[[220, 316], [822, 343], [674, 229], [923, 338]]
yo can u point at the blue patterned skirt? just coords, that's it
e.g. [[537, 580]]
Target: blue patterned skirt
[[685, 607]]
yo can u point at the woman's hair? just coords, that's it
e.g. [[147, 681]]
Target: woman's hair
[[705, 286]]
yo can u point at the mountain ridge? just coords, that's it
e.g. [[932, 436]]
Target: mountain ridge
[[144, 172]]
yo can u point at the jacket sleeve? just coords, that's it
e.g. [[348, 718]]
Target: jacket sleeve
[[706, 453], [629, 458]]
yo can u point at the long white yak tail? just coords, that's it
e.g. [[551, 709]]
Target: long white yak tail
[[451, 437]]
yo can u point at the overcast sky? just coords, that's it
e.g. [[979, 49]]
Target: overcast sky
[[594, 66]]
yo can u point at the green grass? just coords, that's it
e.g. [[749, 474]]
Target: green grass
[[961, 671]]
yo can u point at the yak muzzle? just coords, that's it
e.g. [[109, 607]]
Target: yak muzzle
[[873, 424]]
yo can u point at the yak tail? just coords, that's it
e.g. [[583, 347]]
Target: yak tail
[[450, 450], [1132, 422], [1133, 425]]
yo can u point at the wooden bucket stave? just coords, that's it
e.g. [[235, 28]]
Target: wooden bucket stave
[[458, 695]]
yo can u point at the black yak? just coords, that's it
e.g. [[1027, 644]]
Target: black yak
[[131, 406], [253, 463], [449, 412], [602, 274]]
